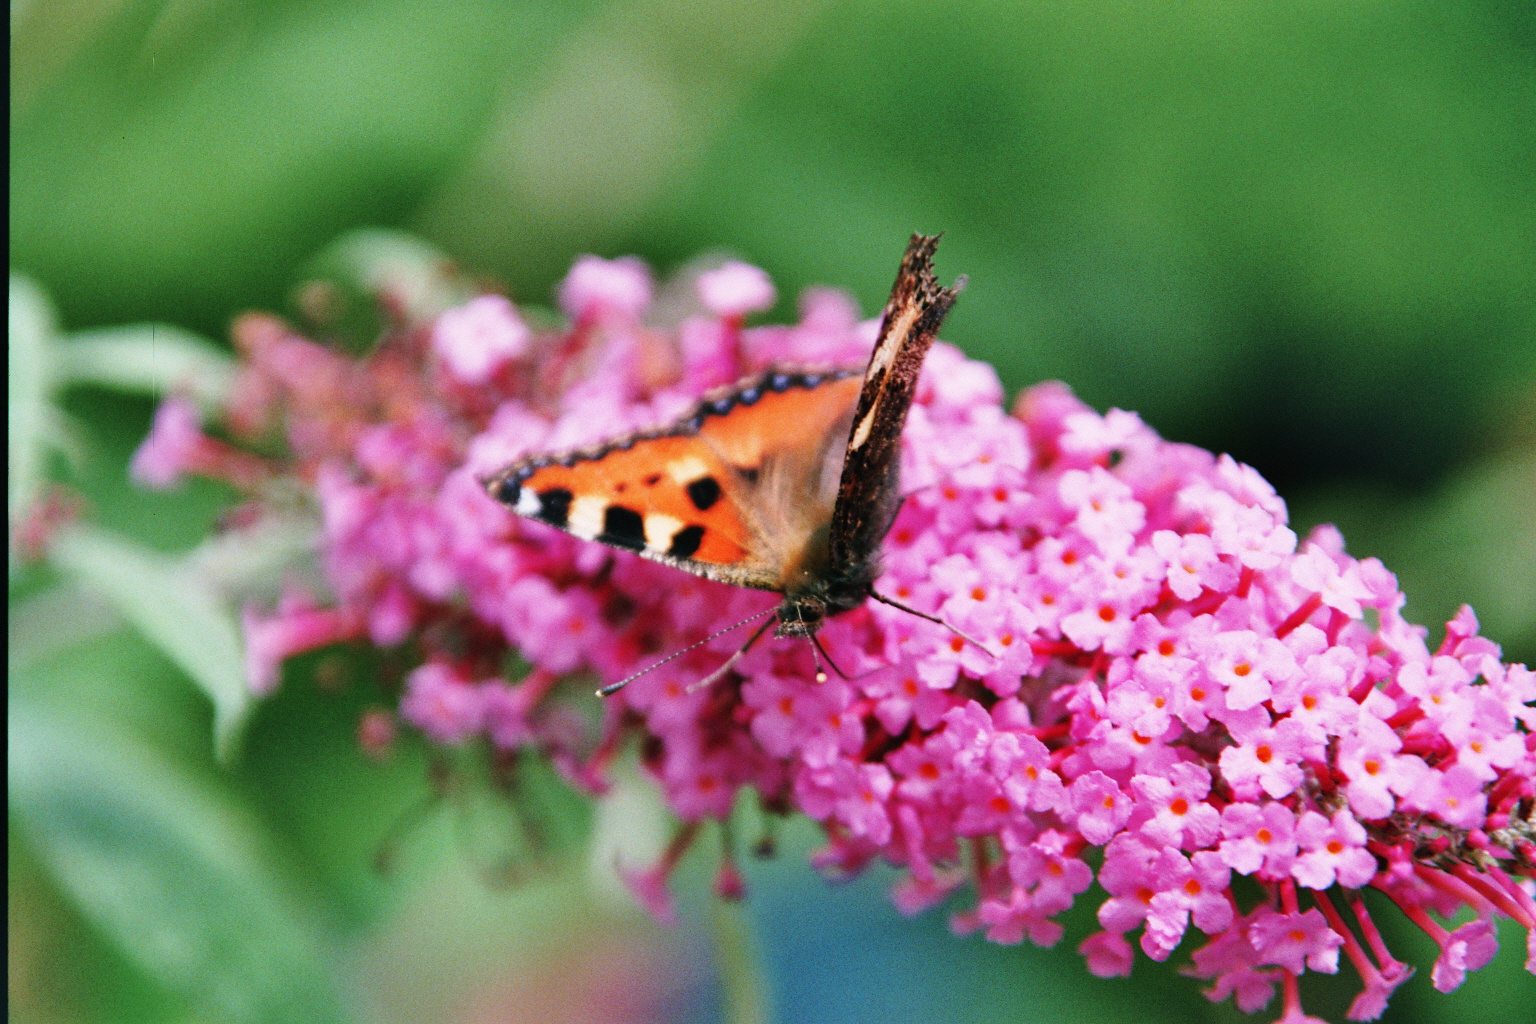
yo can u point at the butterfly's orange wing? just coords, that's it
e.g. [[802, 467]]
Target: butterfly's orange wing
[[734, 491]]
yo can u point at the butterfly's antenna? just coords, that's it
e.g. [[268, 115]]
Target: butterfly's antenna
[[934, 618], [821, 672], [733, 659], [816, 648], [614, 688]]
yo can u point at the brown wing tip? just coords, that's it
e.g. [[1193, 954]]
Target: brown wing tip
[[915, 281]]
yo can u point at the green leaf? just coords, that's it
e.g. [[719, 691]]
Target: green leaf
[[166, 870], [151, 358], [256, 560], [30, 354], [52, 621], [176, 609]]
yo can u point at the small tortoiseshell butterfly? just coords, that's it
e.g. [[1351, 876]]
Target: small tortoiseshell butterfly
[[785, 481]]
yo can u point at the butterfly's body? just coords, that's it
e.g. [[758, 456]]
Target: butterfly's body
[[785, 481]]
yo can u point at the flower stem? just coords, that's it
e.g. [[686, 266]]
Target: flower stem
[[740, 963]]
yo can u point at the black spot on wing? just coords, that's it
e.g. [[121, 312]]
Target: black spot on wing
[[704, 492], [623, 528], [555, 506], [506, 490], [686, 541]]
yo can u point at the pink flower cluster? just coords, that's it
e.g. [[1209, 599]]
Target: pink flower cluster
[[1179, 692]]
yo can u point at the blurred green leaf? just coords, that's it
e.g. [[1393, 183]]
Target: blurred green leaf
[[53, 620], [113, 425], [152, 359], [516, 820], [60, 966], [179, 160], [367, 281], [166, 869], [255, 560], [175, 609], [30, 353]]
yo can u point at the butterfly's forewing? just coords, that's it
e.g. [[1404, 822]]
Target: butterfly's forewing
[[867, 493], [757, 486], [691, 495]]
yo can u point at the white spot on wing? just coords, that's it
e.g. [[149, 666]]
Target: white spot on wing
[[861, 435], [901, 326], [586, 519], [528, 503], [659, 531], [686, 470]]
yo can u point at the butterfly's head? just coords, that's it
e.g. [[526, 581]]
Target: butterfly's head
[[801, 616], [806, 606]]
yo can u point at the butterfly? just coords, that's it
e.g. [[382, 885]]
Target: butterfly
[[785, 481]]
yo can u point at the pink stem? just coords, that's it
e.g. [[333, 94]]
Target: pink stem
[[1288, 900], [1352, 947], [1299, 616], [1291, 994], [1507, 896], [1459, 888], [1430, 926], [1369, 930]]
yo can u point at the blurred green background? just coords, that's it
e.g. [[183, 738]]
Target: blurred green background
[[1304, 233]]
